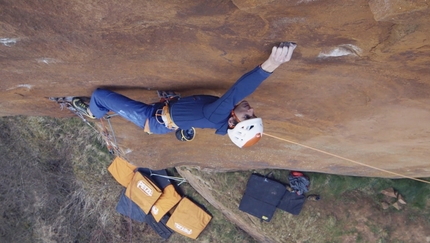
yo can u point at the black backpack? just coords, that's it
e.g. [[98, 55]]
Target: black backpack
[[261, 197]]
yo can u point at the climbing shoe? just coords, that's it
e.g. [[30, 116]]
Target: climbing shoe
[[82, 108]]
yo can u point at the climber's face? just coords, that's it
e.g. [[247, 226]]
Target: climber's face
[[243, 111]]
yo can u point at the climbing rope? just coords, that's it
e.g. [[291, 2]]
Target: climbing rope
[[108, 136], [350, 160]]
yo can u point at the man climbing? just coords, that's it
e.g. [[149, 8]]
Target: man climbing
[[227, 114]]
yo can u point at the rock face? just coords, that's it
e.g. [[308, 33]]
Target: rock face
[[357, 87]]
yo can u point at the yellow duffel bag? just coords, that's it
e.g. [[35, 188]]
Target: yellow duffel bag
[[188, 219], [143, 192], [122, 171], [167, 201]]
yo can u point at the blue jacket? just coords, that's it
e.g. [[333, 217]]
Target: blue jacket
[[206, 111]]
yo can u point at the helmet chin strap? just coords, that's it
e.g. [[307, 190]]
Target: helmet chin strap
[[234, 117]]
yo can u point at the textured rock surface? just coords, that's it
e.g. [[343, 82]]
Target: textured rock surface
[[357, 87]]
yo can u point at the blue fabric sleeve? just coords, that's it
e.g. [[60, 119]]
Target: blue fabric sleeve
[[246, 85]]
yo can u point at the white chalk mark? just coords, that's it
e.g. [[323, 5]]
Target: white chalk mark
[[27, 86], [341, 50], [47, 60], [299, 115], [305, 1], [8, 41]]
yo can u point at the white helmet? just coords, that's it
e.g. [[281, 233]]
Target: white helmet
[[246, 133]]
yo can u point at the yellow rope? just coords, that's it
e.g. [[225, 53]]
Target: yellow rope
[[350, 160]]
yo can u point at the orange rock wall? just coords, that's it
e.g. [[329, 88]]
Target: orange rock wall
[[357, 86]]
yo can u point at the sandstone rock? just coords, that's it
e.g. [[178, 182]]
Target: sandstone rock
[[398, 10], [357, 86]]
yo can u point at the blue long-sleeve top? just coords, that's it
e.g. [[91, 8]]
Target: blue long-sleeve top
[[207, 111]]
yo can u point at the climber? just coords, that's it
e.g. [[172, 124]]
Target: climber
[[227, 114]]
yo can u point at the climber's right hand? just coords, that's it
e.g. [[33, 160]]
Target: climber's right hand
[[280, 54]]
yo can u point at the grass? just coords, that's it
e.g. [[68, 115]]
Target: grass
[[51, 181], [55, 187]]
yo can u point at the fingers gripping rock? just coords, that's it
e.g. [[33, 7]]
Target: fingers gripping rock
[[280, 54]]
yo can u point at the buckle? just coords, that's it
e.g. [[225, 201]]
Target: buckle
[[158, 116]]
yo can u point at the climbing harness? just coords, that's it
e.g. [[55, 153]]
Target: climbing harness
[[162, 115]]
